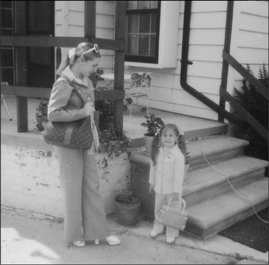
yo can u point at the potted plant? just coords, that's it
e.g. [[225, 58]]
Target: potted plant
[[114, 141], [106, 111], [153, 125], [42, 114], [127, 206]]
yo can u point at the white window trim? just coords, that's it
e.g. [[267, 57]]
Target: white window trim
[[168, 37]]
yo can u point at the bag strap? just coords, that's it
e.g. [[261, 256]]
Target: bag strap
[[74, 89]]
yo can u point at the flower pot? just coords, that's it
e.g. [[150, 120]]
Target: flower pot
[[127, 214], [148, 144]]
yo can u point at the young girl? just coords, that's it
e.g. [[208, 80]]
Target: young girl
[[168, 158]]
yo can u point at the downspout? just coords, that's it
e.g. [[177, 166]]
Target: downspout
[[184, 67]]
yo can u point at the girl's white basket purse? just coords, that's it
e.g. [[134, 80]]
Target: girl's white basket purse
[[174, 214]]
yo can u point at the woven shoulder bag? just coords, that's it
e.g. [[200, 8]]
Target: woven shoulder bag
[[74, 135]]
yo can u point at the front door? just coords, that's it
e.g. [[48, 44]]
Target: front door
[[40, 60]]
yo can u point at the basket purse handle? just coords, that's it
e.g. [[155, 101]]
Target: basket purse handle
[[183, 203]]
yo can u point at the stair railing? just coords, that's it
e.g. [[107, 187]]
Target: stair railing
[[236, 104], [227, 60]]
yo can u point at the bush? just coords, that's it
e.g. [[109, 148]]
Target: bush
[[257, 106]]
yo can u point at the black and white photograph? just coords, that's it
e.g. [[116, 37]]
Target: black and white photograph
[[134, 132]]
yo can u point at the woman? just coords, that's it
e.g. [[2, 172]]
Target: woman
[[85, 217]]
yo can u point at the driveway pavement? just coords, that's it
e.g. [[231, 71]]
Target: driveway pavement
[[29, 238]]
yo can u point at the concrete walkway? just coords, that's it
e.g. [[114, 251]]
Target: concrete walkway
[[29, 238]]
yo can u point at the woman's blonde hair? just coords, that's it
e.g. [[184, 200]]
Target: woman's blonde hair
[[80, 50], [157, 142]]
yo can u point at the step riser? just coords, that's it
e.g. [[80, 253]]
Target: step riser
[[200, 161], [205, 234], [199, 196], [140, 184], [189, 135]]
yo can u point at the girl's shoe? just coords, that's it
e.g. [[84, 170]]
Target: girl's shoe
[[80, 243], [170, 240], [113, 240]]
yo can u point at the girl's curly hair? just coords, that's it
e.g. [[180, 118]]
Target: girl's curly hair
[[156, 143]]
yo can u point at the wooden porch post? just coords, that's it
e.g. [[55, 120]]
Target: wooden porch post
[[90, 19], [20, 65], [120, 33]]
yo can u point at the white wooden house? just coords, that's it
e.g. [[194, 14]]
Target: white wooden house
[[249, 45], [187, 45]]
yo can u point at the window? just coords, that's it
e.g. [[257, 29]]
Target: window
[[143, 31], [149, 23], [7, 51]]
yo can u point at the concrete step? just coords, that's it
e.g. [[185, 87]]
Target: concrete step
[[221, 211], [208, 181], [190, 135], [214, 148]]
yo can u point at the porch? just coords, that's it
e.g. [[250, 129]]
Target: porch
[[29, 167], [193, 127], [30, 178]]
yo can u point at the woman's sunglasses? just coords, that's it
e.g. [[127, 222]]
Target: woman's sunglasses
[[95, 49]]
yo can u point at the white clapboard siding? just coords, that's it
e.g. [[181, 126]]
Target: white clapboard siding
[[184, 110], [203, 7], [214, 20], [104, 33], [105, 21], [105, 7], [207, 36], [205, 53], [205, 84], [253, 39], [69, 21], [252, 22], [251, 46], [75, 31], [205, 69], [259, 9], [187, 99], [253, 55], [76, 6]]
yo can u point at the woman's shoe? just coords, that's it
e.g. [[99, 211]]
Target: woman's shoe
[[170, 240], [113, 240], [80, 243], [153, 233]]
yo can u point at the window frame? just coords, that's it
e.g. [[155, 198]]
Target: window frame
[[11, 48], [141, 58]]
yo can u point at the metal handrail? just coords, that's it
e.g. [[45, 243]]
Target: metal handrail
[[236, 104], [248, 118], [249, 77]]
